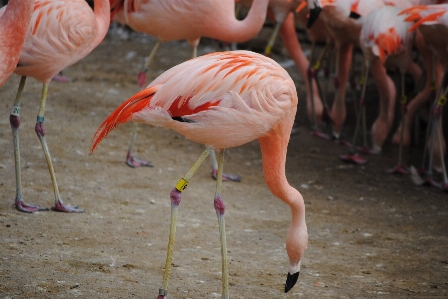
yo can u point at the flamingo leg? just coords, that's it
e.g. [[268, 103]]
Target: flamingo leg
[[132, 161], [225, 176], [176, 197], [353, 156], [142, 74], [39, 128], [272, 39], [220, 209], [313, 69], [14, 120], [399, 169], [338, 110], [435, 127]]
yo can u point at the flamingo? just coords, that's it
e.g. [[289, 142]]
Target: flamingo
[[432, 22], [340, 19], [61, 32], [13, 26], [384, 39], [243, 96], [170, 20]]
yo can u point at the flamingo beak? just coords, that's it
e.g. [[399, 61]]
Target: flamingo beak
[[313, 14], [291, 281]]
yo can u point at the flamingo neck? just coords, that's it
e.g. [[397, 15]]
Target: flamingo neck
[[16, 18], [273, 149], [101, 9], [241, 31]]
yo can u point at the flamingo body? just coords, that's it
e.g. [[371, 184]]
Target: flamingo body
[[14, 21], [61, 33], [385, 35], [220, 96], [170, 20]]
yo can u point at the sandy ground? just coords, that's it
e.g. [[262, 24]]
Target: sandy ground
[[371, 234]]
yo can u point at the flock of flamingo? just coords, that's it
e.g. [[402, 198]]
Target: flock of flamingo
[[243, 95]]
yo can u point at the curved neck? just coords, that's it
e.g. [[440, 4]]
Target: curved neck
[[273, 149], [101, 9], [241, 31], [17, 17]]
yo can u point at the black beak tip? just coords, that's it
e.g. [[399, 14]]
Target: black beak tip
[[313, 15], [291, 281]]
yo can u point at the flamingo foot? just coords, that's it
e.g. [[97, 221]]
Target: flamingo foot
[[316, 133], [353, 158], [367, 151], [398, 170], [340, 140], [134, 162], [27, 207], [61, 78], [421, 171], [226, 176], [141, 79], [431, 183], [60, 207], [326, 115], [445, 187]]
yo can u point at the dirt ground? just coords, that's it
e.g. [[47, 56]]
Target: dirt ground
[[371, 234]]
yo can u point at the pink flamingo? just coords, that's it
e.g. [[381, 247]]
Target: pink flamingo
[[346, 32], [432, 22], [243, 96], [384, 39], [170, 20], [14, 21], [340, 19], [61, 33]]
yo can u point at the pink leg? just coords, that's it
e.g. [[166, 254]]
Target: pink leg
[[338, 109], [387, 95], [14, 120], [61, 78], [39, 128]]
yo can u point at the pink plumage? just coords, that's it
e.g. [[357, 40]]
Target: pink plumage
[[61, 33], [210, 93], [224, 100], [14, 21], [170, 20]]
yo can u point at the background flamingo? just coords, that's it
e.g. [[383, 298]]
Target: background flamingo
[[61, 33], [243, 96], [384, 39], [189, 20], [432, 21], [14, 22]]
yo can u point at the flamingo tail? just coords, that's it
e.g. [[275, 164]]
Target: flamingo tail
[[123, 113], [429, 18]]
